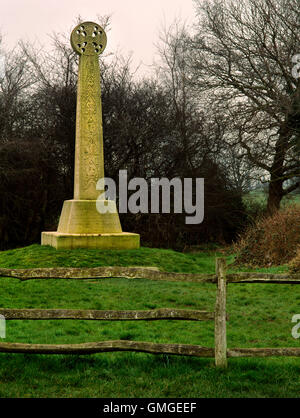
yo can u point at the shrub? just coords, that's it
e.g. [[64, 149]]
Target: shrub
[[271, 240], [294, 264]]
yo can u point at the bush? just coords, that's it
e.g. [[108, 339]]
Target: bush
[[31, 189], [271, 240], [294, 264], [255, 208]]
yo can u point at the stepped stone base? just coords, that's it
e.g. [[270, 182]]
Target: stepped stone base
[[117, 241], [82, 226]]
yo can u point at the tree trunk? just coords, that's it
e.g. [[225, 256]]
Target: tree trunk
[[276, 191], [275, 195]]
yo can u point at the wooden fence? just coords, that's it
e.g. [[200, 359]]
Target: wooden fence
[[220, 352]]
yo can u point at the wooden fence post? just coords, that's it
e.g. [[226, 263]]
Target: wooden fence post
[[220, 315]]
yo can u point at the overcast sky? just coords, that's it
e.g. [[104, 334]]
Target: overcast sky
[[135, 24]]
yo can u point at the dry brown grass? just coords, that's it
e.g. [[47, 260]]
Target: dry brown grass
[[272, 240], [294, 264]]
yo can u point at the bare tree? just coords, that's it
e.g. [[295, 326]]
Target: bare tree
[[242, 60], [15, 85], [194, 134]]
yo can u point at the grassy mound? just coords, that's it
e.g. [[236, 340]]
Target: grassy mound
[[271, 240], [167, 260]]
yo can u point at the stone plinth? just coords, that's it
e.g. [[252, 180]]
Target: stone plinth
[[117, 241], [82, 226]]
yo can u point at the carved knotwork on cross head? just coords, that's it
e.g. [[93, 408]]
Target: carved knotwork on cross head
[[88, 38]]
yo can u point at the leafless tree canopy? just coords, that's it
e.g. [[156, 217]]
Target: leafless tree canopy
[[241, 60]]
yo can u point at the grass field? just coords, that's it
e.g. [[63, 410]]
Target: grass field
[[260, 316], [261, 198]]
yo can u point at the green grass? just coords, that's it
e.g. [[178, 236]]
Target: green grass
[[261, 198], [167, 260], [260, 315]]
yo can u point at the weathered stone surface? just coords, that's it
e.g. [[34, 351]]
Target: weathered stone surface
[[81, 225], [89, 163], [82, 217], [88, 38], [119, 241]]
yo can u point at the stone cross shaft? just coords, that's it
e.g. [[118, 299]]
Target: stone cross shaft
[[88, 40]]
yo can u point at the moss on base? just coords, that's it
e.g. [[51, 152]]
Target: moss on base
[[117, 241]]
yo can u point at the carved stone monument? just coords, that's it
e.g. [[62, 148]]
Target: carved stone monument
[[80, 224]]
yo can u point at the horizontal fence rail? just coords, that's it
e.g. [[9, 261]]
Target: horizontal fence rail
[[105, 273], [220, 352], [144, 273], [146, 347], [264, 352], [107, 346], [102, 315], [272, 278]]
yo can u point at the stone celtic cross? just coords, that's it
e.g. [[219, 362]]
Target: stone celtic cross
[[80, 224], [88, 40]]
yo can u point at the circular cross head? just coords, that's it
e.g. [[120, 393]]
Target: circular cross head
[[88, 38]]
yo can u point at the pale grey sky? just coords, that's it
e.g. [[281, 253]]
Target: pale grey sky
[[135, 24]]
